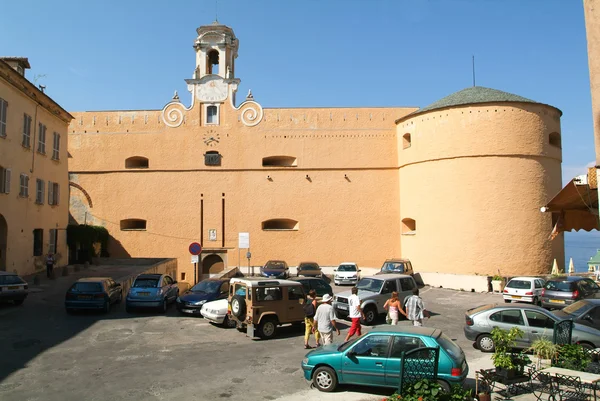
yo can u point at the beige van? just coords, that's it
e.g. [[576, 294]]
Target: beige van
[[261, 305]]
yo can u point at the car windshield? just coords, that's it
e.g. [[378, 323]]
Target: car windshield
[[275, 265], [451, 348], [146, 282], [347, 344], [207, 287], [519, 284], [309, 266], [10, 279], [578, 308], [347, 268], [370, 284], [87, 287], [564, 286], [393, 266]]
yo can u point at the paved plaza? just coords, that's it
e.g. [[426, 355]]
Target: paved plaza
[[49, 355]]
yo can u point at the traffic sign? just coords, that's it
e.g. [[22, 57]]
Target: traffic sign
[[195, 258], [195, 248]]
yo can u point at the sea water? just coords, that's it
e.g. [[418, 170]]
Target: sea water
[[581, 246]]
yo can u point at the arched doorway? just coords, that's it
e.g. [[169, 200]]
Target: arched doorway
[[212, 264], [3, 242]]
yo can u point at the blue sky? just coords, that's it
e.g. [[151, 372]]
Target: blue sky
[[113, 55]]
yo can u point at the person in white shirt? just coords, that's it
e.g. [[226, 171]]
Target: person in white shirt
[[355, 313], [325, 320]]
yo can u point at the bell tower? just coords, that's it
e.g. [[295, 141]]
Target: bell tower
[[216, 50]]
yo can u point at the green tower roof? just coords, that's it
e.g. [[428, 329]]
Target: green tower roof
[[595, 260]]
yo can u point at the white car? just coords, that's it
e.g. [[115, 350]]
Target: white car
[[346, 273], [216, 312], [524, 289]]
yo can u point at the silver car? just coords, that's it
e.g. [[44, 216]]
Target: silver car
[[13, 288], [535, 322]]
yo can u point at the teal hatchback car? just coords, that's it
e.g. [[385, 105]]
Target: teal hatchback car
[[374, 359]]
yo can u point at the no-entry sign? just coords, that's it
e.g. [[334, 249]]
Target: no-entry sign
[[195, 248]]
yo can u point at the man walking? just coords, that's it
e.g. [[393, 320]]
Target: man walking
[[355, 313], [49, 264], [325, 320], [415, 308]]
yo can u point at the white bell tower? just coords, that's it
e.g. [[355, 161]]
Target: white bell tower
[[216, 50]]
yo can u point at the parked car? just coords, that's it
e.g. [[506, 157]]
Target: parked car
[[560, 292], [585, 312], [152, 291], [524, 289], [346, 273], [400, 266], [320, 286], [265, 304], [309, 269], [217, 312], [191, 301], [373, 292], [275, 269], [93, 293], [375, 358], [535, 322], [13, 288]]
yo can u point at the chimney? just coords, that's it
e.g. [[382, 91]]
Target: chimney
[[19, 64]]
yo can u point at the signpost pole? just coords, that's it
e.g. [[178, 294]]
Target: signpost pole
[[195, 272], [195, 249], [248, 254]]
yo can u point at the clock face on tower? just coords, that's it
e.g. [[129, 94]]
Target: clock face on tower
[[213, 89], [211, 137]]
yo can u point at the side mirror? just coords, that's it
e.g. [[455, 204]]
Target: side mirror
[[334, 270], [588, 318], [358, 270]]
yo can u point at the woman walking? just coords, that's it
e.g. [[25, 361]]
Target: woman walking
[[310, 308], [395, 308]]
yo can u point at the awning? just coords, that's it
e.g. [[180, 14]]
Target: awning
[[575, 207]]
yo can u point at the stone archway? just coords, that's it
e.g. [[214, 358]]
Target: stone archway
[[3, 242], [212, 264]]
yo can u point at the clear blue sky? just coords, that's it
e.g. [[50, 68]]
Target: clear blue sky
[[113, 55]]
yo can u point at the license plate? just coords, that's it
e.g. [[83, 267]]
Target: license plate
[[187, 310], [84, 297], [144, 294], [557, 301], [13, 287], [516, 297], [343, 307]]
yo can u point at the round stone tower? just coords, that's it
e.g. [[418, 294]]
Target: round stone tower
[[475, 168]]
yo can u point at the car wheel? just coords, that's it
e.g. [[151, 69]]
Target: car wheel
[[18, 301], [238, 307], [370, 315], [325, 379], [485, 343], [229, 323], [587, 346], [536, 301], [165, 305], [267, 328], [445, 386], [106, 308], [507, 301]]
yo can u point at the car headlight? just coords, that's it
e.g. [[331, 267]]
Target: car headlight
[[305, 361], [198, 303], [178, 300]]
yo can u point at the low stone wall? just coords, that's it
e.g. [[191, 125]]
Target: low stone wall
[[162, 266], [454, 281]]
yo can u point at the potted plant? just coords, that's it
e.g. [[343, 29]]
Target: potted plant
[[544, 350], [498, 283], [507, 364]]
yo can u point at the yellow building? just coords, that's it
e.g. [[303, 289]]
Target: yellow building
[[456, 186], [33, 172]]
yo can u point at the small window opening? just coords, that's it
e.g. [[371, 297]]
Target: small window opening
[[133, 224], [406, 141], [211, 115], [555, 139], [212, 59], [182, 276], [136, 162], [279, 161], [280, 224], [409, 227]]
